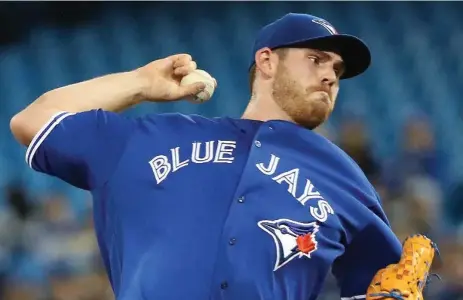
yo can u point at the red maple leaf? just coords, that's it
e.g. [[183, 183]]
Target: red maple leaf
[[305, 243]]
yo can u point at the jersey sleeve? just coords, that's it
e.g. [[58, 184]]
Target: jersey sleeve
[[371, 250], [83, 149]]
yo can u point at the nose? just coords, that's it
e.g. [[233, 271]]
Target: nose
[[328, 76]]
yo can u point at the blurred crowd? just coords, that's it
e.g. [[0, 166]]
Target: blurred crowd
[[47, 252]]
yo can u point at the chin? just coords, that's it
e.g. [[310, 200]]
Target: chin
[[316, 116], [320, 96], [312, 121]]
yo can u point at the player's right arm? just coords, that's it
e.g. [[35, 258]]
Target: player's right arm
[[157, 81], [75, 133]]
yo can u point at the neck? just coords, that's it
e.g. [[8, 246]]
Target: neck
[[264, 109]]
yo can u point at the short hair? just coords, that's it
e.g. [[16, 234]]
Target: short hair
[[281, 52]]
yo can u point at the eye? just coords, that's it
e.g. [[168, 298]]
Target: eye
[[314, 59], [339, 71]]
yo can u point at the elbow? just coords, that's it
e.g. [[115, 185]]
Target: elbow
[[25, 124], [19, 129], [22, 124]]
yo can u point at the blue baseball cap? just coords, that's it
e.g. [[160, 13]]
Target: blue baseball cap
[[303, 30]]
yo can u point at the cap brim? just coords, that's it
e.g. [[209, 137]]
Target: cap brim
[[354, 51]]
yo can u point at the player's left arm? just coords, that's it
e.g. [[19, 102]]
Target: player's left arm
[[372, 249]]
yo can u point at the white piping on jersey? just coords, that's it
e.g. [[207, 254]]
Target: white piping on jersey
[[47, 127], [355, 297]]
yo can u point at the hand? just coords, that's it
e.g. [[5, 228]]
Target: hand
[[407, 278], [163, 78]]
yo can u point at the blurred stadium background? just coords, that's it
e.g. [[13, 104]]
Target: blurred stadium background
[[400, 121]]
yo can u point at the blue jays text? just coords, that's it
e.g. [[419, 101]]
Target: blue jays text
[[222, 152]]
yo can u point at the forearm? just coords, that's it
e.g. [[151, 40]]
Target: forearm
[[114, 92]]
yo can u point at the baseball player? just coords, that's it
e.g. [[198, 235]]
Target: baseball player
[[188, 207]]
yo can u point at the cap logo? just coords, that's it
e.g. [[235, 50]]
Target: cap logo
[[326, 25]]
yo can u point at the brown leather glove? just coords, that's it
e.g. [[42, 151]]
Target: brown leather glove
[[406, 279]]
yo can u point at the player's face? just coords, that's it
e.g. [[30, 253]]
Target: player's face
[[306, 85]]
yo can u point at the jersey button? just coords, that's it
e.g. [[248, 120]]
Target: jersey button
[[270, 127], [241, 199], [232, 241], [224, 285], [257, 143]]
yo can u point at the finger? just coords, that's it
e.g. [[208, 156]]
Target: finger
[[182, 60], [186, 69], [192, 89], [179, 56]]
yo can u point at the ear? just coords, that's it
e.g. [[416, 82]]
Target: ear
[[266, 62]]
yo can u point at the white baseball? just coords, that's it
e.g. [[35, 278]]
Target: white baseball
[[200, 76]]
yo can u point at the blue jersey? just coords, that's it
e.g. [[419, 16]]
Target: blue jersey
[[187, 207]]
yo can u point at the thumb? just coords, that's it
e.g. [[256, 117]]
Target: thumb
[[191, 89]]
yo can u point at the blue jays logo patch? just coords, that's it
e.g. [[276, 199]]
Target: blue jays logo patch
[[292, 239], [326, 25]]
